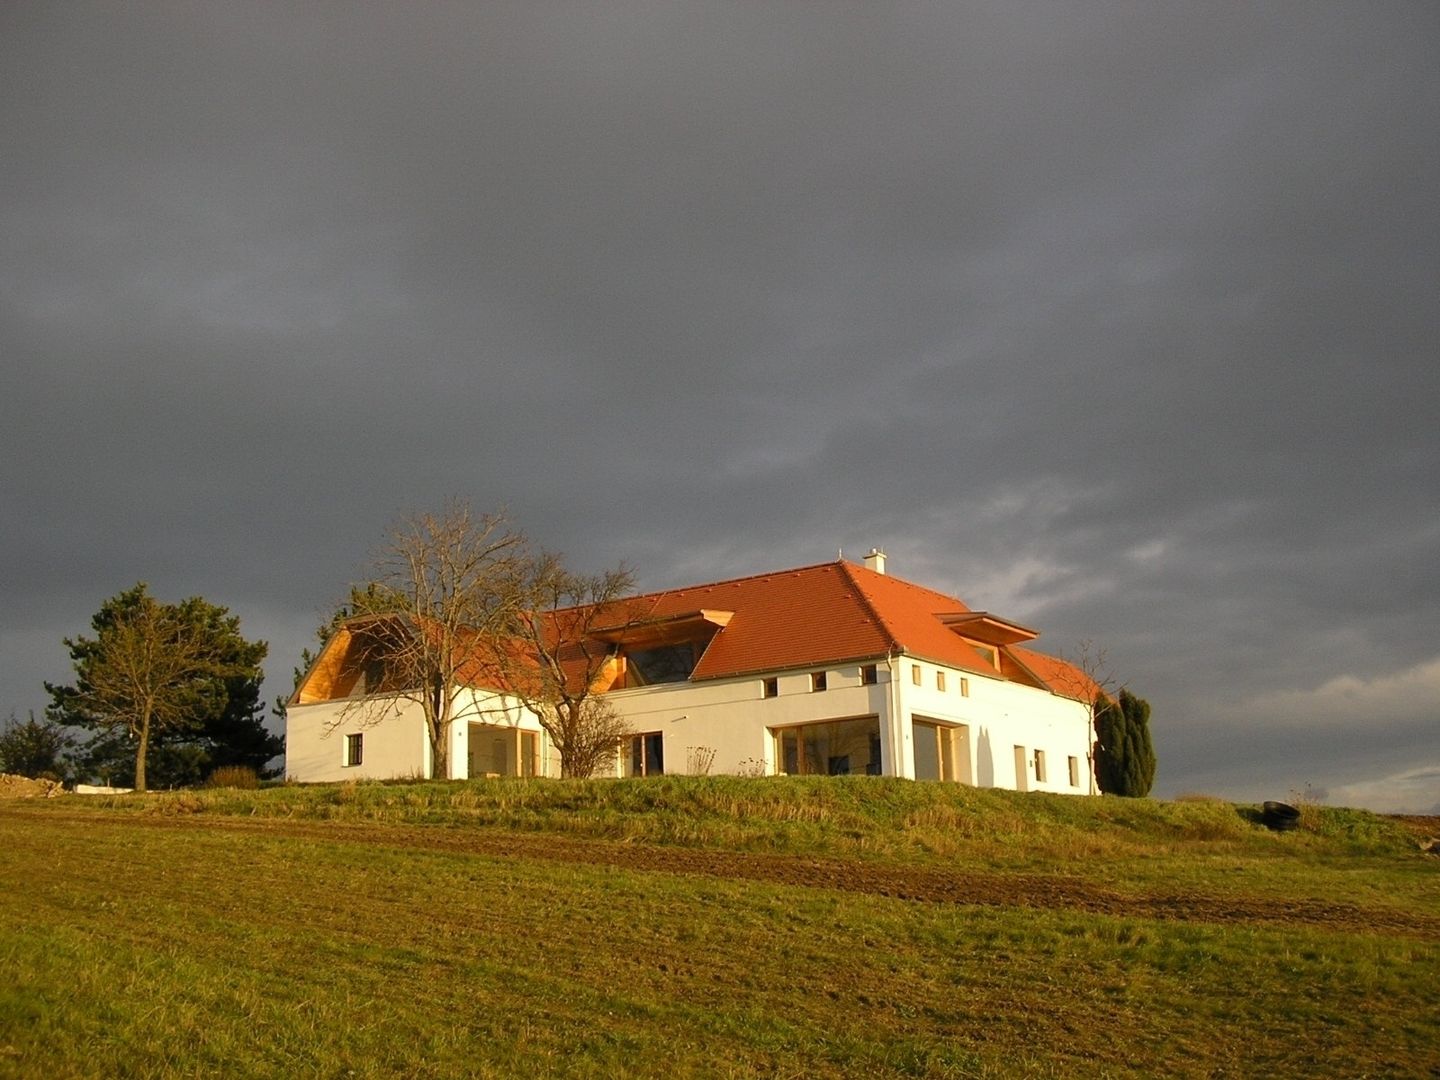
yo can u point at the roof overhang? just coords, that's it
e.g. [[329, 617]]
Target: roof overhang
[[985, 627]]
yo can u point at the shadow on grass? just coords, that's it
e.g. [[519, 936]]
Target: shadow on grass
[[1252, 814]]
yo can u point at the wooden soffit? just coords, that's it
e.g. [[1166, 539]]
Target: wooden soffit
[[985, 627]]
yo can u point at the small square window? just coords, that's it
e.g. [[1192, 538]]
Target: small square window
[[354, 749], [869, 675], [964, 686], [940, 681], [817, 680], [915, 674], [770, 688]]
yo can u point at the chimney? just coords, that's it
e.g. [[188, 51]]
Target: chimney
[[876, 560]]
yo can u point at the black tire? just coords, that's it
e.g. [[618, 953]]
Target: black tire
[[1279, 816]]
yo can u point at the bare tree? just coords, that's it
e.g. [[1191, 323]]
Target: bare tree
[[153, 668], [1088, 679], [1089, 674], [568, 631], [447, 590]]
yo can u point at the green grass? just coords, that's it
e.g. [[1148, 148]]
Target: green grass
[[1126, 843], [149, 936]]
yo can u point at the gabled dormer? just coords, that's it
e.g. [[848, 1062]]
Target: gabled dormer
[[350, 665], [986, 633], [659, 650]]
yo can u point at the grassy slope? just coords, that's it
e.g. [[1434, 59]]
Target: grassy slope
[[186, 951]]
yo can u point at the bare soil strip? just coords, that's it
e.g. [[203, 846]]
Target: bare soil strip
[[917, 883]]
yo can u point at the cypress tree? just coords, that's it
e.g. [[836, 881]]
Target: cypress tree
[[1124, 755], [1139, 751]]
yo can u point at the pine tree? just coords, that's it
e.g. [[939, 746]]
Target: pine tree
[[171, 691]]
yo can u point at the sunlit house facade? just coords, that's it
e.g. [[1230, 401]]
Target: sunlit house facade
[[832, 669]]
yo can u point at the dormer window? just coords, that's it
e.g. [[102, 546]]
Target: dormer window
[[649, 652], [988, 653], [665, 664], [372, 676], [985, 633]]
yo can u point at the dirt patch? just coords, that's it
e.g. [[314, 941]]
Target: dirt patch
[[914, 883], [22, 787]]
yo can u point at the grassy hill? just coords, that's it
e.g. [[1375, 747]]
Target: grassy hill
[[708, 927]]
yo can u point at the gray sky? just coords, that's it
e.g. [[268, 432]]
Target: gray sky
[[1118, 319]]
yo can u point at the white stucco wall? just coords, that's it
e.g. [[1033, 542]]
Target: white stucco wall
[[735, 719], [395, 741], [999, 716]]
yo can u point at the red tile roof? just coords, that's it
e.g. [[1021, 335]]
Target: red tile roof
[[830, 613], [833, 613], [1059, 676]]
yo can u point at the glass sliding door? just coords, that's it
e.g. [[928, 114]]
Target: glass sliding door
[[833, 748]]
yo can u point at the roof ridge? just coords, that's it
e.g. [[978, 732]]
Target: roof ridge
[[914, 586], [736, 580], [859, 591]]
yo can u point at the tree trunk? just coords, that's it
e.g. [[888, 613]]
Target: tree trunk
[[438, 722], [439, 757], [140, 751]]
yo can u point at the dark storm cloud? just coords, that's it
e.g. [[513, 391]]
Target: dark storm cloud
[[1116, 318]]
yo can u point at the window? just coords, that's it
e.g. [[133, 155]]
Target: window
[[1074, 772], [1039, 766], [869, 675], [666, 664], [964, 686], [354, 749], [647, 755], [770, 688], [373, 674], [915, 674], [940, 681], [818, 680], [988, 652], [837, 748]]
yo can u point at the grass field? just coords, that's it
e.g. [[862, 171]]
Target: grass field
[[708, 927]]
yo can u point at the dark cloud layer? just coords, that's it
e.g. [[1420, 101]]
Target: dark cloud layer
[[1119, 319]]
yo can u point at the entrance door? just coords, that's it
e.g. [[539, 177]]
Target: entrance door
[[1022, 769]]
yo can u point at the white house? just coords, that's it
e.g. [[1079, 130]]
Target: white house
[[831, 669]]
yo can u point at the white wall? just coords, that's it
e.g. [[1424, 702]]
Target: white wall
[[1000, 715], [733, 717], [395, 740], [395, 744]]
